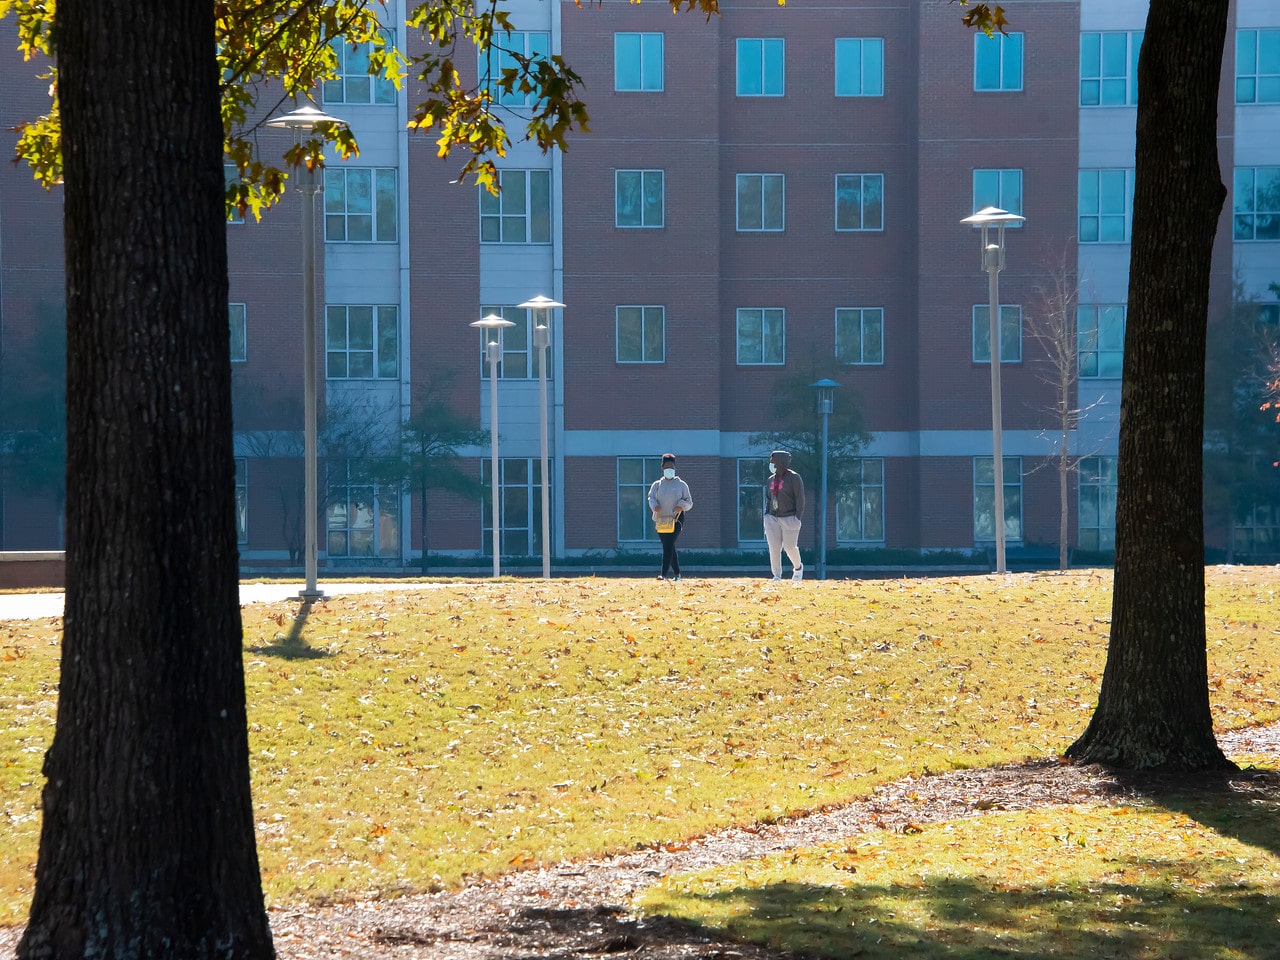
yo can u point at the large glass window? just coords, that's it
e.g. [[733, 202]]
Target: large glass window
[[1010, 333], [860, 335], [761, 201], [1109, 68], [998, 188], [237, 317], [362, 342], [761, 335], [520, 503], [1105, 203], [231, 177], [997, 62], [984, 498], [360, 205], [752, 472], [363, 515], [1256, 527], [1097, 494], [242, 500], [501, 56], [641, 334], [859, 201], [860, 504], [639, 199], [520, 212], [1257, 203], [859, 67], [354, 84], [635, 475], [517, 362], [760, 67], [1258, 66], [1100, 328], [637, 62]]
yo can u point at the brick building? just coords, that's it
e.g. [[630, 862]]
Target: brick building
[[774, 191]]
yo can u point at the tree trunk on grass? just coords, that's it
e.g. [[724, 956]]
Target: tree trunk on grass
[[1153, 707], [147, 845]]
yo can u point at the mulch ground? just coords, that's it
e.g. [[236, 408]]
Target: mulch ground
[[580, 909]]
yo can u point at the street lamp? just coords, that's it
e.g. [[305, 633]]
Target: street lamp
[[542, 307], [493, 353], [826, 388], [303, 122], [993, 263]]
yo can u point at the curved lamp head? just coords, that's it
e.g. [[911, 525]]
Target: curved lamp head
[[304, 120]]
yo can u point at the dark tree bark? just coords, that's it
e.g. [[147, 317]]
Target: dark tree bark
[[147, 847], [1153, 707]]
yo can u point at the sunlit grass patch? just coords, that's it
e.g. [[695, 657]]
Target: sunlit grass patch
[[1060, 882]]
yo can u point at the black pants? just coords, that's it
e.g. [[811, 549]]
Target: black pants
[[670, 558]]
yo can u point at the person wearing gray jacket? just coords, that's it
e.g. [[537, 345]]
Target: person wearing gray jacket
[[669, 499]]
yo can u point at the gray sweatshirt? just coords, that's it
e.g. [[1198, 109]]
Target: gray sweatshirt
[[666, 497]]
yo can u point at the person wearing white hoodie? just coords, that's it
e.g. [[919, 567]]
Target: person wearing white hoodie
[[669, 499]]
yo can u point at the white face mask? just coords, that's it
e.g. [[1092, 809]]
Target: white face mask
[[773, 468], [669, 473]]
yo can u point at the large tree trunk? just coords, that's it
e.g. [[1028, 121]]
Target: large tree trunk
[[147, 847], [1153, 708]]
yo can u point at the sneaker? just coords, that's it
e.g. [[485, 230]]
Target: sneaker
[[662, 576], [777, 578], [676, 578], [797, 573]]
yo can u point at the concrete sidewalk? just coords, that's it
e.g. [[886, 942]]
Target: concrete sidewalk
[[39, 606]]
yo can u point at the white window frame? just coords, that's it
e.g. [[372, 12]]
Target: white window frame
[[510, 492], [1093, 355], [496, 59], [851, 54], [648, 315], [238, 322], [646, 178], [1008, 189], [867, 476], [986, 490], [1099, 86], [861, 318], [383, 358], [752, 474], [1011, 47], [1249, 216], [520, 213], [778, 315], [636, 499], [353, 76], [1096, 483], [339, 208], [753, 54], [649, 47], [1254, 84], [1097, 214], [1010, 318], [517, 345], [242, 500], [863, 179], [756, 185], [347, 516]]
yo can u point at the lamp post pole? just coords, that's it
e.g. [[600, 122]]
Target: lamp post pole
[[493, 353], [303, 122], [993, 263], [542, 307], [826, 403]]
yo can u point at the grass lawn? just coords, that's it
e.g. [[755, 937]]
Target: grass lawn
[[404, 742]]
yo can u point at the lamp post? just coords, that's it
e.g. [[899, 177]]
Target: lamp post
[[493, 353], [542, 307], [826, 402], [303, 122], [993, 263]]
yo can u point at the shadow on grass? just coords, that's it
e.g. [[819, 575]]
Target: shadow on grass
[[1243, 805], [946, 917], [292, 646]]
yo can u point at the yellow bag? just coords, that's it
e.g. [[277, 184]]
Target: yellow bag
[[667, 525]]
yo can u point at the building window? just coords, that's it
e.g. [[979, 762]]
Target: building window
[[639, 199], [242, 500], [860, 335], [635, 520], [520, 212], [1258, 66], [501, 56], [360, 205], [1257, 203], [362, 342], [237, 316], [752, 473], [761, 201], [1010, 333], [984, 499], [517, 361], [1255, 529], [354, 83], [641, 334], [231, 177], [1105, 206], [1100, 329], [859, 201], [520, 503], [859, 67], [998, 188], [997, 61], [760, 67], [363, 515], [637, 62], [761, 335], [860, 504], [1097, 495], [1109, 69]]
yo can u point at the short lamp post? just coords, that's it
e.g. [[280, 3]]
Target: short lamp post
[[542, 307], [303, 122], [493, 353], [826, 403], [993, 263]]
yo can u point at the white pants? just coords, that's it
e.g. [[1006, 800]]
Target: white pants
[[782, 534]]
